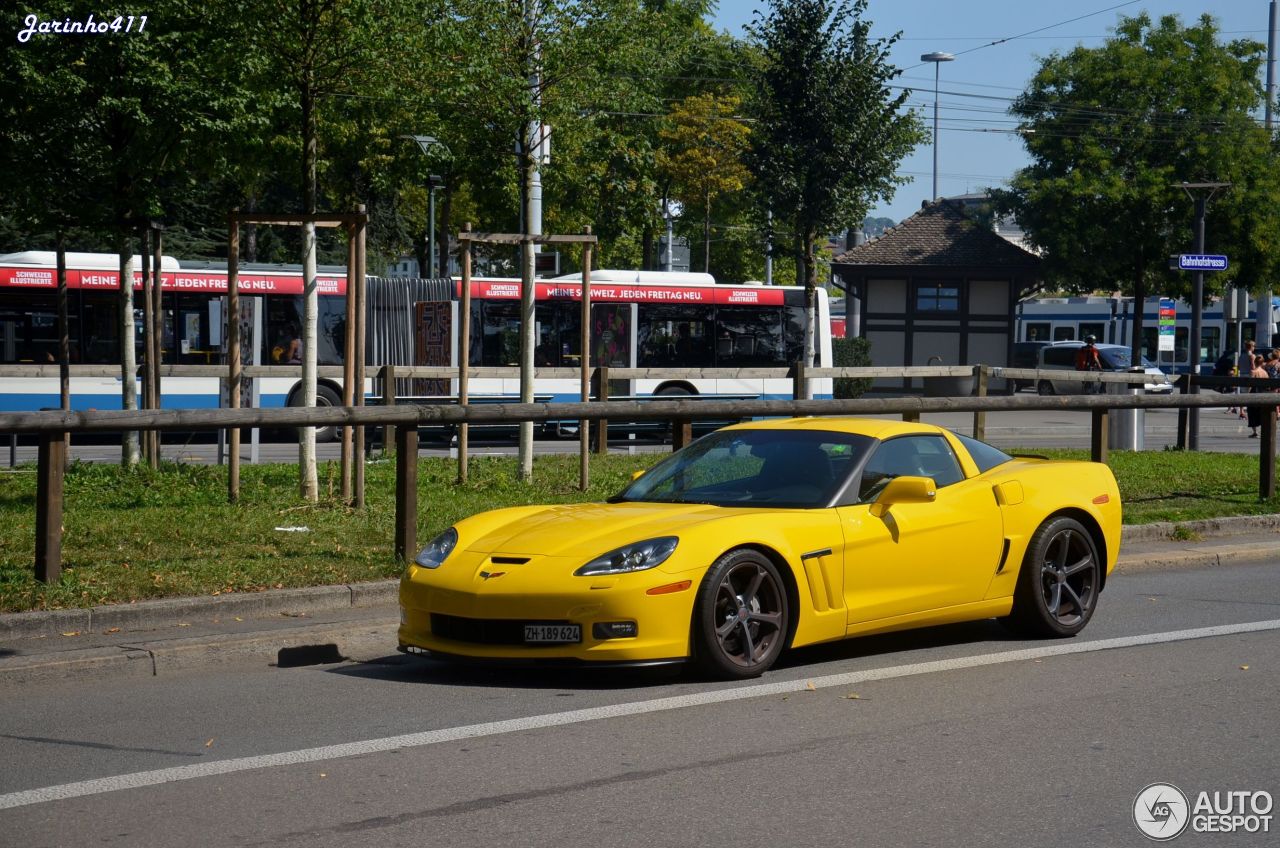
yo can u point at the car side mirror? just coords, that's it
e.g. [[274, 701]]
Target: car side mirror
[[904, 490]]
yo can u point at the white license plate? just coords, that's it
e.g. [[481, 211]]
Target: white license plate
[[543, 633]]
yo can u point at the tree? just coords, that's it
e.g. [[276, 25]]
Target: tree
[[103, 124], [704, 158], [321, 49], [1113, 130], [829, 134]]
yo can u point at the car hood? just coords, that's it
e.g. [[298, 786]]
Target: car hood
[[590, 529]]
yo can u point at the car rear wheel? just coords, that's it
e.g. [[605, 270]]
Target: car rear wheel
[[741, 616], [1044, 387], [1058, 586]]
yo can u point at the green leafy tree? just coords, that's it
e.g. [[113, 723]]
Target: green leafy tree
[[1114, 130], [829, 133], [105, 124], [706, 142]]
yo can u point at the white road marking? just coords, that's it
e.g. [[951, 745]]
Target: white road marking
[[515, 725]]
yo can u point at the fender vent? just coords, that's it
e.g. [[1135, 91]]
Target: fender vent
[[1004, 557]]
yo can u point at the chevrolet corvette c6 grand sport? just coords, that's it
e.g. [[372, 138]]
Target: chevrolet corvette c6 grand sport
[[769, 535]]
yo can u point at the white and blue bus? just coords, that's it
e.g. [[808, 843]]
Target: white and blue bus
[[640, 320]]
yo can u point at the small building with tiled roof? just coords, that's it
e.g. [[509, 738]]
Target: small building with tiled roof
[[940, 287]]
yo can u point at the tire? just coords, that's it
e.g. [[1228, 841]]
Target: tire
[[672, 392], [325, 396], [1044, 387], [1058, 585], [741, 616]]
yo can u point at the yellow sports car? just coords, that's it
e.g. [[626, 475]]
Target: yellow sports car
[[770, 535]]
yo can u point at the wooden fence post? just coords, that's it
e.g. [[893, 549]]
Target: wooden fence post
[[388, 399], [797, 380], [1267, 457], [980, 378], [681, 433], [50, 464], [1098, 447], [602, 395], [406, 491]]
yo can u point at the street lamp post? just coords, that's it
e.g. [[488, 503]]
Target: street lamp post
[[427, 144], [1201, 194], [434, 182], [937, 59]]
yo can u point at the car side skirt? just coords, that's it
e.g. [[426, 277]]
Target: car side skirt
[[992, 608]]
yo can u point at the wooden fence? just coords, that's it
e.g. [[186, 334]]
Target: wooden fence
[[52, 429]]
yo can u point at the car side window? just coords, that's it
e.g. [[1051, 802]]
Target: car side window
[[909, 456]]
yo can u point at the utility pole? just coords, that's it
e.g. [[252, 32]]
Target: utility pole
[[532, 149]]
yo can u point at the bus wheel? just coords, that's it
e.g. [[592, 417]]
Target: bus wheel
[[325, 397]]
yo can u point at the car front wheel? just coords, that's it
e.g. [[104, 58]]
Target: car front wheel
[[1058, 586], [1044, 387], [741, 616]]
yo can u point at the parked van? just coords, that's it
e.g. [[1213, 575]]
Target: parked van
[[1025, 355], [1061, 356]]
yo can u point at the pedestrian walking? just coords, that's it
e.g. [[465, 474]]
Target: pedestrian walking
[[1255, 412]]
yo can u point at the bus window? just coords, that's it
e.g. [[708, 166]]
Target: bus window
[[1098, 331], [793, 336], [1063, 334], [101, 330], [611, 334], [749, 336], [284, 323], [1037, 331], [673, 336]]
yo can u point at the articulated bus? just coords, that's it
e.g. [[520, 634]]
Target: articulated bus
[[1110, 320], [640, 319]]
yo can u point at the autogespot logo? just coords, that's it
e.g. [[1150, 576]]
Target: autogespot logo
[[1160, 811]]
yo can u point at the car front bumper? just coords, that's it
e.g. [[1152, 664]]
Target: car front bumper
[[485, 621]]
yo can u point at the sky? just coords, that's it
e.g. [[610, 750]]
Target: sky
[[976, 87]]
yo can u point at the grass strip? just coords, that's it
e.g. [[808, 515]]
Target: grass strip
[[136, 534]]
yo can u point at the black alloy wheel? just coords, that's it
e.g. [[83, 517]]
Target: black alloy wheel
[[741, 616], [1058, 586]]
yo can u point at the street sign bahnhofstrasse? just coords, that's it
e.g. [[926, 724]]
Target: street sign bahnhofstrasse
[[1200, 262]]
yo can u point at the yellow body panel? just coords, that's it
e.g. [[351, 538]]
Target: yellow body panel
[[850, 572]]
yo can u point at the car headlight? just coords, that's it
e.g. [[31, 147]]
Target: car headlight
[[638, 556], [437, 549]]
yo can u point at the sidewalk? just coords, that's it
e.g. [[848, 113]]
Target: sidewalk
[[358, 622]]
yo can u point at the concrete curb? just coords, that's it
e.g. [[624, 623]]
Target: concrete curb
[[361, 641], [1205, 528], [1186, 559], [170, 612]]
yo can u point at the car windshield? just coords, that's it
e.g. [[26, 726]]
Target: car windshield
[[795, 469]]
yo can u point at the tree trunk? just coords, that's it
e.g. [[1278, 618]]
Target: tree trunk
[[810, 302], [128, 353], [1139, 306], [422, 253], [308, 482], [706, 233], [646, 248], [251, 230]]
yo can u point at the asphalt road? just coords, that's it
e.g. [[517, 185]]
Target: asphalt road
[[1219, 432], [959, 735]]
